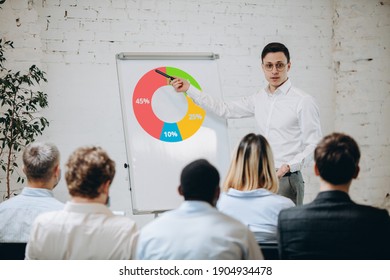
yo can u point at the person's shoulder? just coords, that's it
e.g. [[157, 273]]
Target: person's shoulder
[[6, 203], [293, 212], [10, 201], [372, 210], [256, 95], [304, 100], [48, 217], [302, 95], [121, 221], [283, 200], [160, 221], [223, 200], [225, 220], [292, 209]]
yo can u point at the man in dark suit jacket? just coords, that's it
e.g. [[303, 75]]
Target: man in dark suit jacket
[[333, 226]]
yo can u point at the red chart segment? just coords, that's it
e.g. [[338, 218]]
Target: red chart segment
[[142, 102]]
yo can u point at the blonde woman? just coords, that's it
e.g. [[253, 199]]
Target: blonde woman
[[250, 189]]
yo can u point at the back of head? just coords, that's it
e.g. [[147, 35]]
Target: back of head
[[199, 180], [337, 158], [275, 47], [252, 166], [40, 160], [87, 169]]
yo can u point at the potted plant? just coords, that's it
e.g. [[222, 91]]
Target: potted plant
[[20, 123]]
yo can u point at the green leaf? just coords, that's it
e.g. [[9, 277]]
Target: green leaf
[[19, 102]]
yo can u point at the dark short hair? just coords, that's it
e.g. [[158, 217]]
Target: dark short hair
[[337, 158], [87, 169], [199, 180], [275, 47]]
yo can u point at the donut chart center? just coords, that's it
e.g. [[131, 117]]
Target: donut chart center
[[169, 105]]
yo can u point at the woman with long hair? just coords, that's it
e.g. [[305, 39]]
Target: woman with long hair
[[251, 186]]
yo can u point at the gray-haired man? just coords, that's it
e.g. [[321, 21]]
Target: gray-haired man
[[41, 164]]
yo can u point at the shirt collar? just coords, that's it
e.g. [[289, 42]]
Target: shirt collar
[[28, 191], [195, 206], [95, 208], [252, 193], [330, 195], [282, 90]]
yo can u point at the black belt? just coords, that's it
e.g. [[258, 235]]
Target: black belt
[[288, 174]]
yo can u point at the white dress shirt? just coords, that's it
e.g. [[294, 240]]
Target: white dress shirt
[[257, 209], [288, 118], [197, 231], [18, 213], [81, 231]]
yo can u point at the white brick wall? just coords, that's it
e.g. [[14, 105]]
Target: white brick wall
[[75, 42], [362, 90]]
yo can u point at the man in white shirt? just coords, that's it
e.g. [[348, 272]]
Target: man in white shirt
[[41, 164], [197, 230], [285, 115], [85, 228]]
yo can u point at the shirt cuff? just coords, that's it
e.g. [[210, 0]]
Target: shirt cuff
[[294, 167]]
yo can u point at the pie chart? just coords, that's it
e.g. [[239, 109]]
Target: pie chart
[[153, 85]]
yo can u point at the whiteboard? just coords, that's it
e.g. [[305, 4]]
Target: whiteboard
[[165, 130]]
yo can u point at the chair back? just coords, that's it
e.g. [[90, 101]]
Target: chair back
[[12, 251], [270, 251]]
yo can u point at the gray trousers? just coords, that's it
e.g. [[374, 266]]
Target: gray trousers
[[293, 187]]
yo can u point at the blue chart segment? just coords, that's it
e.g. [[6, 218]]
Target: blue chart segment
[[170, 133]]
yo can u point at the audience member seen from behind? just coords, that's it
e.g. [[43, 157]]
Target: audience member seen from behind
[[85, 228], [41, 164], [250, 189], [333, 226], [197, 230]]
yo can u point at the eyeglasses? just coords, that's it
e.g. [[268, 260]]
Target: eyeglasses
[[279, 66]]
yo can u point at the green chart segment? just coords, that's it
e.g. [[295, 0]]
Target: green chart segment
[[155, 127]]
